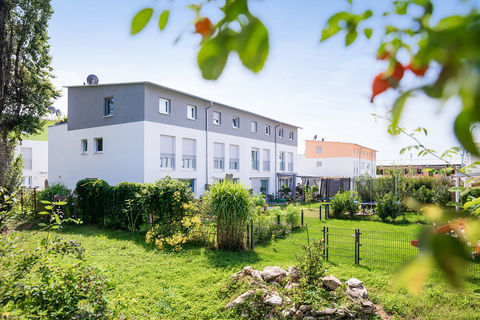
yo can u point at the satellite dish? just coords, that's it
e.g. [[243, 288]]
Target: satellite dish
[[51, 109], [92, 79], [315, 137], [58, 113]]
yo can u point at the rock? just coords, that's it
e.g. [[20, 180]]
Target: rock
[[240, 299], [309, 318], [331, 282], [366, 306], [288, 312], [294, 273], [252, 273], [327, 312], [304, 308], [291, 285], [273, 273], [274, 300], [344, 312], [354, 283], [298, 314], [357, 292]]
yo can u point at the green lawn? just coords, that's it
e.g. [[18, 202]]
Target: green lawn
[[152, 284]]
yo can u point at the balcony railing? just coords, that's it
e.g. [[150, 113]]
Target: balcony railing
[[234, 164], [189, 162], [290, 167], [218, 163], [167, 160], [266, 165]]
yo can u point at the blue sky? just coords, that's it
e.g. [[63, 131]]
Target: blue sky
[[322, 87]]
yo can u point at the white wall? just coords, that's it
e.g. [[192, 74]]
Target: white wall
[[121, 159], [333, 167], [39, 171]]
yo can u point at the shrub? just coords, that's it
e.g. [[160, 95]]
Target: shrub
[[232, 206], [259, 200], [388, 206], [54, 189], [469, 194], [441, 195], [291, 215], [93, 201], [310, 263], [423, 195], [346, 202]]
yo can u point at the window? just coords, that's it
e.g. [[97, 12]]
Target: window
[[84, 145], [353, 150], [319, 150], [167, 152], [190, 183], [164, 106], [99, 145], [192, 112], [290, 162], [266, 160], [253, 126], [189, 157], [218, 156], [217, 118], [281, 157], [27, 182], [264, 186], [27, 158], [255, 160], [290, 135], [267, 130], [319, 164], [234, 163], [108, 107], [280, 133], [236, 122]]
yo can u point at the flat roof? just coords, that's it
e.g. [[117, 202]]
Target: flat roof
[[352, 143], [181, 92]]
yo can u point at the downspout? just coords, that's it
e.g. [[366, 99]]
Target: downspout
[[206, 144], [275, 157]]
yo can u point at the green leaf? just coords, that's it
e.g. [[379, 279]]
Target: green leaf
[[401, 7], [463, 133], [45, 202], [60, 203], [333, 27], [368, 32], [140, 20], [350, 37], [162, 21], [48, 207], [41, 224], [212, 57], [252, 45], [43, 212], [54, 227], [398, 107]]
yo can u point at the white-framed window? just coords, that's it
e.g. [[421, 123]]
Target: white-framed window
[[84, 146], [189, 157], [281, 157], [234, 154], [217, 118], [98, 145], [27, 182], [218, 156], [191, 112], [267, 130], [255, 159], [27, 158], [253, 126], [319, 150], [319, 164], [290, 161], [108, 106], [167, 152], [290, 135], [164, 106], [280, 133], [236, 122], [266, 160]]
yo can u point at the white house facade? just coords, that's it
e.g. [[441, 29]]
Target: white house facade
[[35, 162], [143, 132]]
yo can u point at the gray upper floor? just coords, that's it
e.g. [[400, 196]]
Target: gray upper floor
[[109, 104]]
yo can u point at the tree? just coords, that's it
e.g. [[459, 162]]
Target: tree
[[25, 74]]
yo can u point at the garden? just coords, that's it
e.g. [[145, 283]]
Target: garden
[[149, 251]]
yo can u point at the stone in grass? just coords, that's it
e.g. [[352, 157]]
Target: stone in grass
[[331, 282], [354, 283], [273, 273], [324, 312], [274, 300], [240, 299], [366, 306], [253, 273], [357, 293], [294, 273]]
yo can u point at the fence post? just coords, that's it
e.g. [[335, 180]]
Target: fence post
[[251, 234], [278, 219], [327, 211], [327, 244], [324, 242], [302, 217], [357, 246], [308, 238]]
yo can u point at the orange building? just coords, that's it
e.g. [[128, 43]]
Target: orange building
[[336, 159]]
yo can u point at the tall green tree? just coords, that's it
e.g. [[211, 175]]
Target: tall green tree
[[26, 89]]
